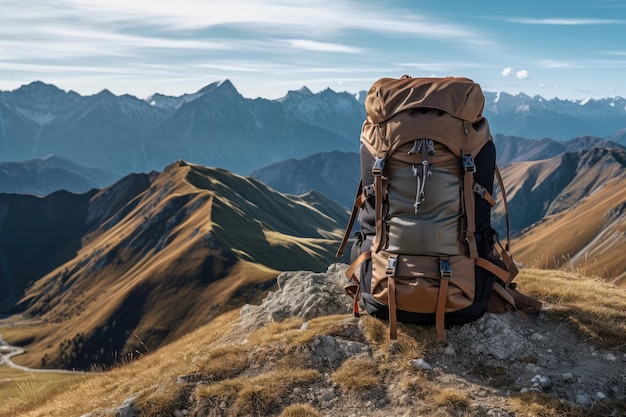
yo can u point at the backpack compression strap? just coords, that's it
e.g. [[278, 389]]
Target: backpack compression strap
[[470, 210]]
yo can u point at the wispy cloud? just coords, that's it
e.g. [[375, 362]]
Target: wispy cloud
[[310, 45], [565, 21], [322, 18]]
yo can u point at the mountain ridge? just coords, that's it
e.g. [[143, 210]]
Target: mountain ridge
[[217, 126], [154, 255]]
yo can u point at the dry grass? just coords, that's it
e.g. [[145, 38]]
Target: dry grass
[[255, 395], [299, 410], [453, 400], [536, 404], [256, 375], [25, 390], [357, 375], [596, 309], [585, 238], [291, 332]]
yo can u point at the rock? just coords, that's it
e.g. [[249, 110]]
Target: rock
[[495, 335], [541, 381], [582, 399], [302, 294], [127, 408], [609, 357], [333, 351], [421, 364]]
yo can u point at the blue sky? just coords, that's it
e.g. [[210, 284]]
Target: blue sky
[[564, 48]]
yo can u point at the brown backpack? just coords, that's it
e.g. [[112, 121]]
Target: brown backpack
[[425, 252]]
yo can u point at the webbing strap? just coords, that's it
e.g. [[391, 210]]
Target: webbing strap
[[378, 191], [510, 265], [354, 281], [358, 203], [502, 292], [350, 272], [504, 275], [486, 195], [393, 323], [470, 213], [506, 207], [441, 309], [354, 290]]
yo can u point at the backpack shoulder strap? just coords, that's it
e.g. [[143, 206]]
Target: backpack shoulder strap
[[506, 206], [359, 200]]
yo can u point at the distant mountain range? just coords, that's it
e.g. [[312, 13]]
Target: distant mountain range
[[52, 173], [152, 256], [217, 126]]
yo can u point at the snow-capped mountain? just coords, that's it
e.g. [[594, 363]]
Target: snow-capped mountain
[[217, 126], [536, 117]]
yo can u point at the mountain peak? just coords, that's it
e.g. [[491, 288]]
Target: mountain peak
[[40, 91], [222, 86], [106, 93], [297, 94]]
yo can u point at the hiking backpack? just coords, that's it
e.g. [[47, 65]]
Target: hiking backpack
[[425, 252]]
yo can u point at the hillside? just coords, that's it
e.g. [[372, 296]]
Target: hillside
[[517, 149], [536, 189], [153, 257], [301, 353], [589, 237]]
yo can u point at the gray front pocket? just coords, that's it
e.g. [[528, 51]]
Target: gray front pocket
[[434, 229]]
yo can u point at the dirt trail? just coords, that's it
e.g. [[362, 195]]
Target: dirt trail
[[8, 351]]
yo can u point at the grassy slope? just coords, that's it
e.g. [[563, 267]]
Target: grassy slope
[[588, 238], [597, 311]]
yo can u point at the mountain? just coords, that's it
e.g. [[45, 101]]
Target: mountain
[[536, 117], [516, 149], [217, 126], [536, 189], [334, 174], [52, 173], [151, 258], [587, 238], [620, 136]]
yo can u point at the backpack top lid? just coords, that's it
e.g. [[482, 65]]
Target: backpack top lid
[[458, 96]]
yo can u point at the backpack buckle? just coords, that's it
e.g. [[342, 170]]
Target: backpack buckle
[[479, 189], [444, 268], [379, 164], [392, 264], [468, 163]]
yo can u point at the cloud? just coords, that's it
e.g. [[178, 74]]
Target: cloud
[[310, 45], [522, 74], [323, 18], [566, 22], [510, 72]]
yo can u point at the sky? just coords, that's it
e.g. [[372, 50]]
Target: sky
[[570, 49]]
